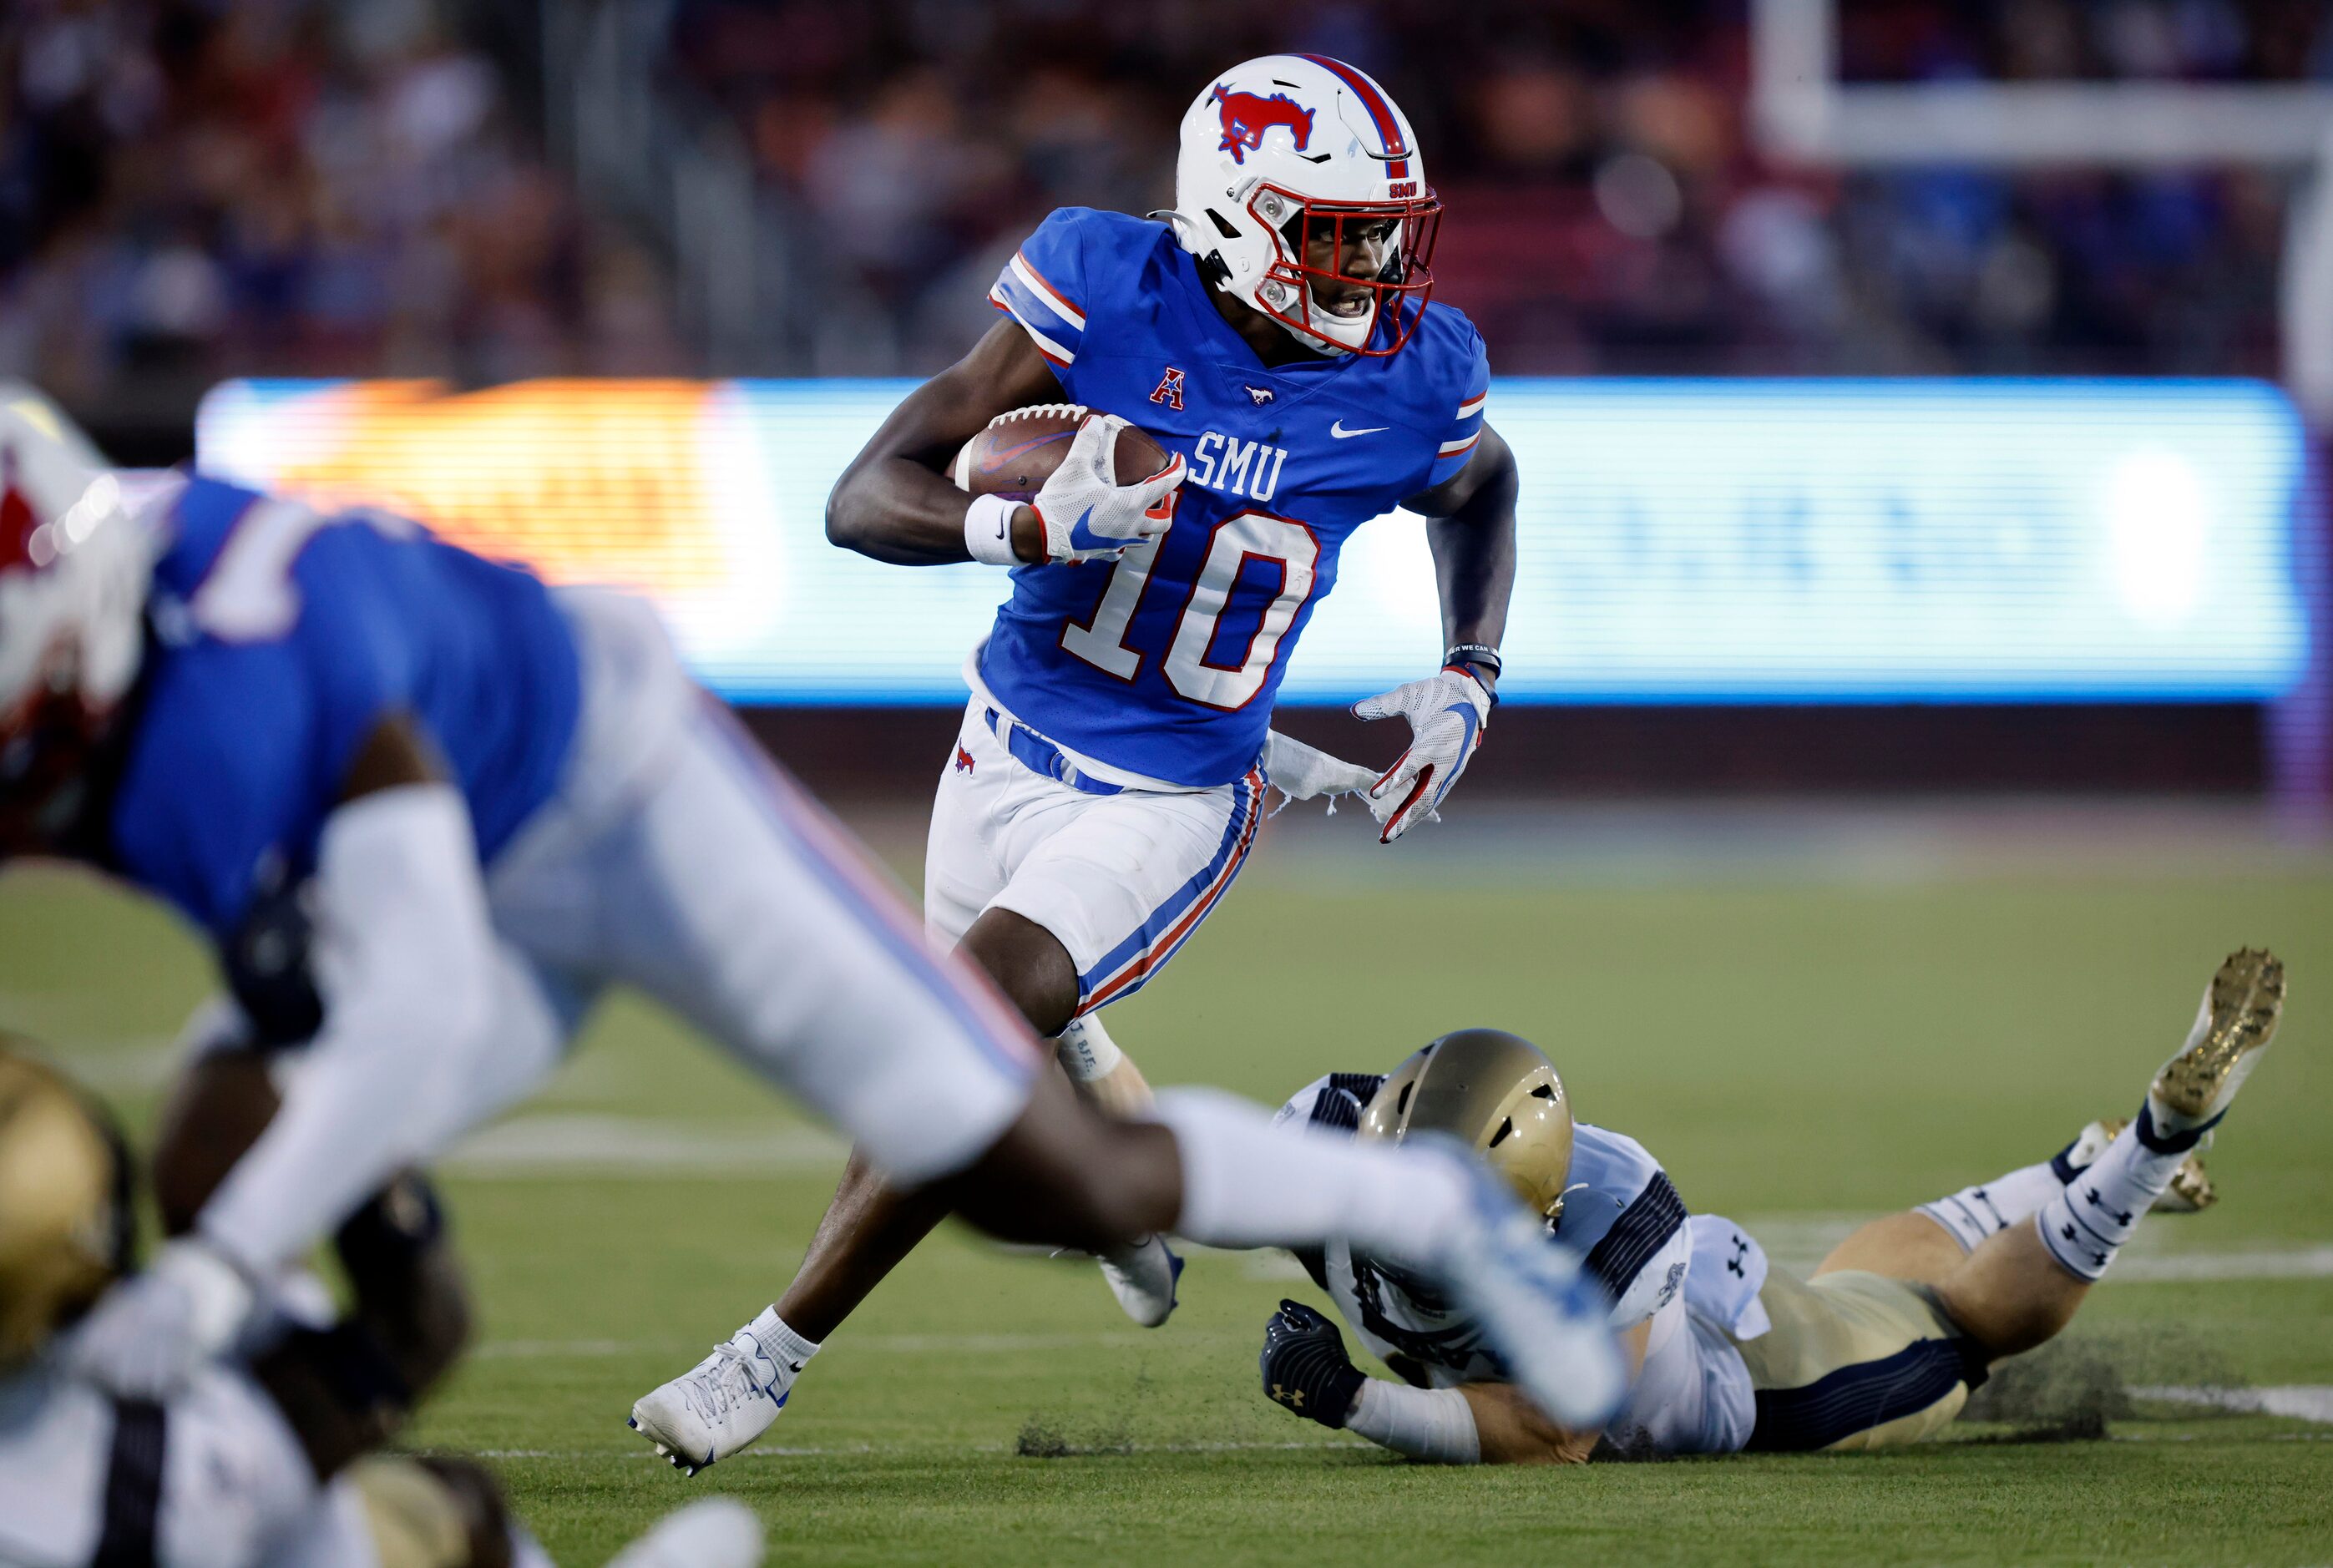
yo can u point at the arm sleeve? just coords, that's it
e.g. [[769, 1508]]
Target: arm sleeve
[[405, 961], [1460, 436], [1043, 287], [1436, 1424]]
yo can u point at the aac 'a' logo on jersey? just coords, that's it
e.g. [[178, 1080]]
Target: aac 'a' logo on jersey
[[1170, 388]]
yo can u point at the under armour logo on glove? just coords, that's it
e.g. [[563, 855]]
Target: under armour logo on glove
[[1448, 714], [1305, 1367]]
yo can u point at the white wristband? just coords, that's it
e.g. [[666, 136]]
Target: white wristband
[[988, 530]]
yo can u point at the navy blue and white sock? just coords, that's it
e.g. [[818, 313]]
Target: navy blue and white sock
[[1976, 1213], [2089, 1222]]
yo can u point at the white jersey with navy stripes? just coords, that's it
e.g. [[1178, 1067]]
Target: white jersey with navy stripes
[[214, 1479], [1630, 1229]]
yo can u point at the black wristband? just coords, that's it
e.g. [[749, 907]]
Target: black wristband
[[1481, 653]]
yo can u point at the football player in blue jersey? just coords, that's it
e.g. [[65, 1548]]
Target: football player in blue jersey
[[428, 808], [1880, 1346], [1273, 332]]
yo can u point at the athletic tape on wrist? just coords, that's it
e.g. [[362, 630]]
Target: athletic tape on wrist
[[1088, 1054]]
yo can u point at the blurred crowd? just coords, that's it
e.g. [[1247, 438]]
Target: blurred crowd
[[1606, 210], [193, 187]]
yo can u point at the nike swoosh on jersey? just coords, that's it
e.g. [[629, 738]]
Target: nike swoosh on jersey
[[1337, 429]]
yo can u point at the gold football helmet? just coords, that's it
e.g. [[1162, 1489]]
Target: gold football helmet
[[1494, 1092], [65, 1205]]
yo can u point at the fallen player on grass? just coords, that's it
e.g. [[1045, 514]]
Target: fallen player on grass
[[1882, 1346]]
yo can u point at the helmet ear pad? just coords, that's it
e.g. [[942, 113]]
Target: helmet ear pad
[[1494, 1092], [66, 1218]]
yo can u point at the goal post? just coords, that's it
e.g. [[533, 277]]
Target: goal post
[[1800, 111]]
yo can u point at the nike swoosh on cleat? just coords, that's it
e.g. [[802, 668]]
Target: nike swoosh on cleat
[[1337, 429]]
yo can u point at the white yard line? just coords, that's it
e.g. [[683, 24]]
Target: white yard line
[[537, 1143], [2301, 1402], [1799, 1242], [899, 1344], [860, 1450], [2298, 1262]]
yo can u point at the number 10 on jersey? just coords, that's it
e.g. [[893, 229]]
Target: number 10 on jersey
[[1238, 540]]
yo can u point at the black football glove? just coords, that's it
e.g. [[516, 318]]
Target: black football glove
[[1305, 1366]]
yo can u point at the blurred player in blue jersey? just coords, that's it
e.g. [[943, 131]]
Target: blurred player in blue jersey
[[428, 808], [1273, 333]]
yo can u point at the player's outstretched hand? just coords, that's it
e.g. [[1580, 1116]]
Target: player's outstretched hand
[[148, 1334], [1305, 1366], [1304, 772], [1448, 714], [1089, 516]]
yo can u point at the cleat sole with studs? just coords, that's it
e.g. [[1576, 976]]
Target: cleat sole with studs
[[2241, 1013]]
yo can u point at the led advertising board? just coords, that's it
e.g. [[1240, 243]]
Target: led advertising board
[[1680, 541]]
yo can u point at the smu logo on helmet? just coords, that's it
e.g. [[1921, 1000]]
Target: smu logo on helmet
[[1246, 116], [18, 521]]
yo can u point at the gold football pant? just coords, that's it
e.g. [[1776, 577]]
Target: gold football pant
[[1855, 1360]]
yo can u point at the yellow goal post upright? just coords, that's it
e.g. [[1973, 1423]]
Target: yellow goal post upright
[[1802, 112]]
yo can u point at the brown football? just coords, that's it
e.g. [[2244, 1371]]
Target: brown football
[[1019, 451]]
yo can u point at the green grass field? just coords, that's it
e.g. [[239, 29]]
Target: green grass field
[[1800, 1053]]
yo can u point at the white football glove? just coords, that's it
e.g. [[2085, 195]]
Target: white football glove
[[1086, 515], [1448, 713], [148, 1334], [1303, 773]]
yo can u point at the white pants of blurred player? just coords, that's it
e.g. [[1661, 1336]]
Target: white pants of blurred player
[[1120, 877], [678, 859]]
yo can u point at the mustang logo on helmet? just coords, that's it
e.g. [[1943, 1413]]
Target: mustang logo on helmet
[[17, 518], [1246, 116]]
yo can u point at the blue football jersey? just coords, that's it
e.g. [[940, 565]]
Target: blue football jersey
[[282, 637], [1163, 665]]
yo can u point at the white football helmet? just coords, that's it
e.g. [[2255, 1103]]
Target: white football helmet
[[74, 569], [1287, 140]]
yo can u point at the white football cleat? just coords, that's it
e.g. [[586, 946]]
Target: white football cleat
[[718, 1533], [1142, 1276], [1545, 1320], [720, 1405], [2234, 1029]]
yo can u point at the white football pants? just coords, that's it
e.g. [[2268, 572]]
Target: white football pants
[[677, 858], [1121, 880]]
